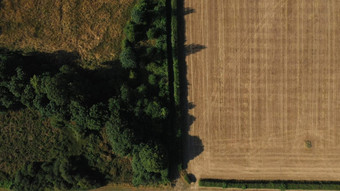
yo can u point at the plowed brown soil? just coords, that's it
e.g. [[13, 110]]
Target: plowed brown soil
[[267, 82]]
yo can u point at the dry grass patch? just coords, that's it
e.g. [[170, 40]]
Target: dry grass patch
[[91, 28]]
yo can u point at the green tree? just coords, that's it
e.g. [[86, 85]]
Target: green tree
[[55, 89], [130, 32], [140, 175], [121, 138], [152, 79], [155, 110], [153, 157], [139, 11], [97, 115], [128, 58]]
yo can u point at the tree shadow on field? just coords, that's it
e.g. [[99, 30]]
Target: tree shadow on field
[[193, 48], [188, 10], [192, 145]]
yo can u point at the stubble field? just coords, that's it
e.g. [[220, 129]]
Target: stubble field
[[264, 82]]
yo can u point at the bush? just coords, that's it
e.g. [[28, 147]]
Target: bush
[[152, 79], [121, 138], [140, 175], [63, 173], [155, 110], [129, 32], [277, 184], [128, 58], [138, 13], [5, 181], [153, 157], [185, 176]]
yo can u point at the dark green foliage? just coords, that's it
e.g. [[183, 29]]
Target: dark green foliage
[[148, 167], [144, 96], [5, 181], [139, 12], [12, 79], [26, 136], [67, 107], [128, 58], [155, 110], [140, 175], [185, 176], [63, 173], [99, 155], [277, 184], [161, 43], [142, 89], [151, 33], [152, 79], [160, 24], [92, 118], [78, 114], [153, 157], [121, 138], [174, 43], [130, 32], [7, 100], [97, 115], [55, 88], [156, 69], [124, 92]]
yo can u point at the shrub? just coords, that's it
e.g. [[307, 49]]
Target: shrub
[[121, 138], [155, 110], [152, 79], [129, 32], [5, 181], [128, 58], [151, 33], [153, 157], [138, 13], [276, 184]]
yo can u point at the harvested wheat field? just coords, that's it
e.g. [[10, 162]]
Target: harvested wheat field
[[264, 82], [93, 29]]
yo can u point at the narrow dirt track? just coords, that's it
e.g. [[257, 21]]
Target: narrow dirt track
[[267, 82]]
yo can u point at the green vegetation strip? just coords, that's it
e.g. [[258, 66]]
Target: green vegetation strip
[[174, 43], [276, 184]]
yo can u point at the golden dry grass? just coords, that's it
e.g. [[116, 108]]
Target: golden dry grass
[[91, 28], [267, 84]]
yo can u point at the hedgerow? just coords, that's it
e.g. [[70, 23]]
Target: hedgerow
[[275, 184]]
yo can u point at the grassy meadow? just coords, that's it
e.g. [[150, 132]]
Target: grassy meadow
[[93, 29]]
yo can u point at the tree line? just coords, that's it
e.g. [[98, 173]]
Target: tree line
[[126, 104]]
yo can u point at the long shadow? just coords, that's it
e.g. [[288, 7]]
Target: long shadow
[[193, 48], [188, 10], [192, 145]]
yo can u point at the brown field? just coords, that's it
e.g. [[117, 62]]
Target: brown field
[[91, 28], [267, 82]]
